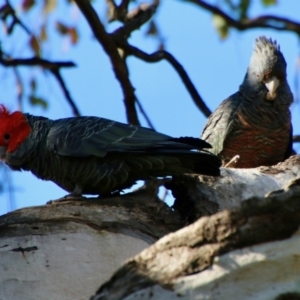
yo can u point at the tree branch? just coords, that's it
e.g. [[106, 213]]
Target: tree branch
[[35, 61], [53, 67], [117, 62], [265, 21], [66, 92], [143, 112], [296, 139], [137, 18], [9, 10], [160, 55]]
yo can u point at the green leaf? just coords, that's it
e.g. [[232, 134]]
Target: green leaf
[[269, 2], [49, 6], [38, 101], [221, 26], [34, 45], [244, 6]]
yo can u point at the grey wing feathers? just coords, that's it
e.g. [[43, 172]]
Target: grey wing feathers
[[219, 124], [85, 136]]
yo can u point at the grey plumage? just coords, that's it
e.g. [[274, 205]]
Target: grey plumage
[[255, 122], [93, 155]]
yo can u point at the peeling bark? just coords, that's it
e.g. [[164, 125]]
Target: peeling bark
[[162, 270], [67, 249], [197, 196]]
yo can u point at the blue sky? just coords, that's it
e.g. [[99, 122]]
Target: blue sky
[[216, 67]]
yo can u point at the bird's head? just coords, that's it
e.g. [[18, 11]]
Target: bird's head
[[14, 129], [267, 67]]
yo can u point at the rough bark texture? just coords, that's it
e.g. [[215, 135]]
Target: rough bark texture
[[66, 249], [161, 271], [203, 195]]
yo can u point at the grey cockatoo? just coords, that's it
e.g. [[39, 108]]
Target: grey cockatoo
[[255, 123], [93, 155]]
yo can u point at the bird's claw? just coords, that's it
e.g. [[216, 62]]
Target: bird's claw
[[68, 197], [232, 163]]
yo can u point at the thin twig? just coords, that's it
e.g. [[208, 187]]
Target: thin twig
[[143, 15], [66, 92], [53, 67], [118, 64], [160, 55], [35, 61], [20, 88], [16, 20], [143, 112], [296, 139], [124, 5], [265, 21]]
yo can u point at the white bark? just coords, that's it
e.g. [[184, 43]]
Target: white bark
[[207, 195], [260, 272], [70, 264], [237, 185], [67, 249], [246, 253]]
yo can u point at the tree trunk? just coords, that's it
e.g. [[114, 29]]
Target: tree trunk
[[65, 250], [248, 253]]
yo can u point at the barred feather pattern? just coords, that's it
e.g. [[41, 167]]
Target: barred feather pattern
[[107, 172], [247, 123]]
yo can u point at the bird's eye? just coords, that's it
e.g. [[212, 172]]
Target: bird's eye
[[6, 136]]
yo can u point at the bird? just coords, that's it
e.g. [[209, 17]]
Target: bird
[[253, 126], [97, 156]]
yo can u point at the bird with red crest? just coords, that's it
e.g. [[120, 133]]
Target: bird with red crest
[[91, 155]]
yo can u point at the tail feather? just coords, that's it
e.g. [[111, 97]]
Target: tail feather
[[194, 142], [205, 163]]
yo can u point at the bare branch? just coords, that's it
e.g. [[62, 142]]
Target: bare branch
[[16, 20], [20, 88], [53, 67], [142, 15], [117, 62], [160, 55], [296, 139], [143, 112], [35, 61], [66, 92], [124, 5], [265, 21], [111, 9]]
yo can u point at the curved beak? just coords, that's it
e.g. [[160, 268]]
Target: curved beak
[[2, 152], [272, 85]]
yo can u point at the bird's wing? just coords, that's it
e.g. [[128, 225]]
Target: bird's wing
[[220, 123], [85, 136]]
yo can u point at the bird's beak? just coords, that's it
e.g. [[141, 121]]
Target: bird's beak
[[2, 152], [272, 85]]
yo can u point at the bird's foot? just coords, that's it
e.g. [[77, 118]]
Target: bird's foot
[[69, 197], [232, 163]]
